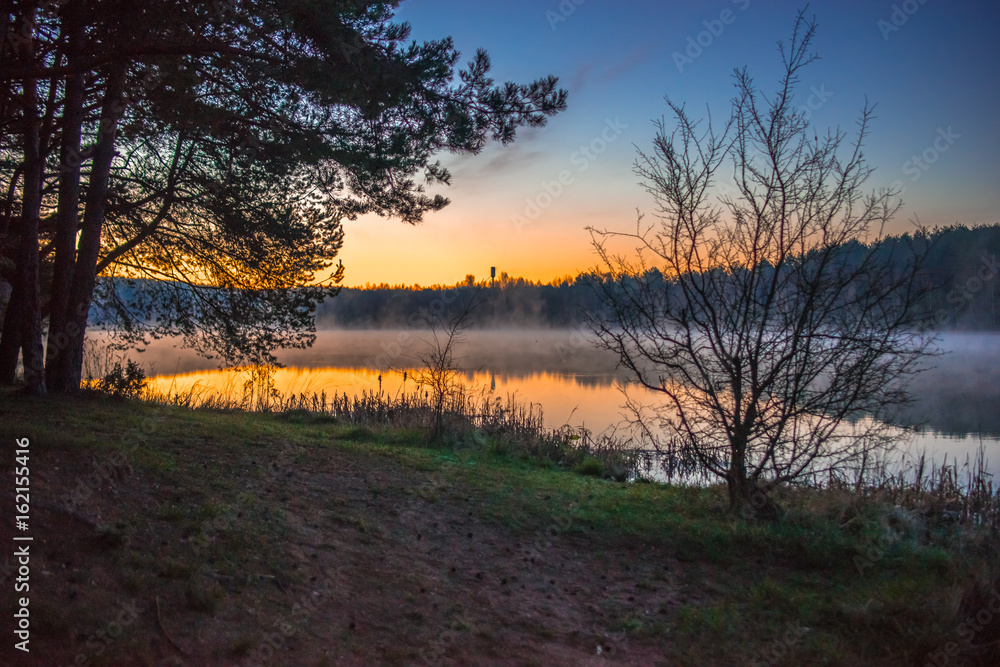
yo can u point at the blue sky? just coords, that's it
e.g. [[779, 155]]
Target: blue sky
[[932, 68]]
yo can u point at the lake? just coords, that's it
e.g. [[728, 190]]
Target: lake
[[573, 383]]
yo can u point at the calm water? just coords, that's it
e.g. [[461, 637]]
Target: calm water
[[958, 400]]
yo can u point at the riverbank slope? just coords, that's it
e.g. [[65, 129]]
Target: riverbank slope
[[163, 535]]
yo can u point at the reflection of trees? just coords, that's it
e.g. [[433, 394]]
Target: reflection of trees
[[961, 394], [957, 397], [959, 413]]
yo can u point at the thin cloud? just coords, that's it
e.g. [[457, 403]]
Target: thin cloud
[[496, 160], [589, 74], [578, 79], [637, 57]]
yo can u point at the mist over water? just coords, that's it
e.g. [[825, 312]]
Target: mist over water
[[957, 398], [960, 393]]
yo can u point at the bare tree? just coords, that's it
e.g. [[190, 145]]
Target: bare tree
[[438, 372], [776, 321]]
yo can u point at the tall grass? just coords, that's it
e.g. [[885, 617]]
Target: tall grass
[[470, 417], [98, 360], [944, 492], [949, 491]]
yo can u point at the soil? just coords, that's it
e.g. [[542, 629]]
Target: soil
[[323, 556]]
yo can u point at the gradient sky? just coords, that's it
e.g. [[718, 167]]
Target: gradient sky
[[932, 67]]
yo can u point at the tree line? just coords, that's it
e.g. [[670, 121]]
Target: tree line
[[959, 274]]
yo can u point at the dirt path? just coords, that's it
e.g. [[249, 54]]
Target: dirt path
[[322, 557]]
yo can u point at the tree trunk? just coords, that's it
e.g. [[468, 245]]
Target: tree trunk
[[27, 255], [10, 340], [750, 500], [737, 491], [69, 204], [70, 359], [736, 479]]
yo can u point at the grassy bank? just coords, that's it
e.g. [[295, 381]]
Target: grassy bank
[[225, 537]]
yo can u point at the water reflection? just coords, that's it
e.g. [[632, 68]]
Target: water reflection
[[579, 401], [575, 384]]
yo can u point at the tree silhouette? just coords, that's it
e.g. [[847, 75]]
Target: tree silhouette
[[780, 326], [219, 146]]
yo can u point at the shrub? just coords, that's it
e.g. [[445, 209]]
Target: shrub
[[590, 466], [123, 382]]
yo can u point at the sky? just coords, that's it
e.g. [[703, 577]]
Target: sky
[[931, 67]]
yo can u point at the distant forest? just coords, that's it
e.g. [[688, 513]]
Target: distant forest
[[961, 272]]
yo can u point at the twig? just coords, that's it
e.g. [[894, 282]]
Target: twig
[[159, 622], [273, 578]]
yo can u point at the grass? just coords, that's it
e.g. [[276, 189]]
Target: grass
[[842, 578]]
